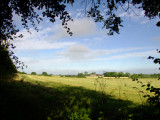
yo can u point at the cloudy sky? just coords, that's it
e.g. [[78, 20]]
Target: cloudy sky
[[90, 48]]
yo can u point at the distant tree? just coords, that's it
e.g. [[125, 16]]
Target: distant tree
[[134, 77], [85, 73], [155, 75], [93, 73], [33, 73], [114, 74], [105, 74], [121, 74], [44, 73], [127, 74], [140, 75], [22, 72], [80, 75], [110, 74]]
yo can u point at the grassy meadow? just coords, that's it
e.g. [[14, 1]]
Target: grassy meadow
[[36, 97], [124, 89]]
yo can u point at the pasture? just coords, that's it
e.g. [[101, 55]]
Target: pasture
[[119, 88], [40, 97]]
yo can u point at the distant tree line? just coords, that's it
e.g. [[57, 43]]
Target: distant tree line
[[148, 75], [106, 74], [121, 74], [80, 75], [116, 74], [33, 73], [43, 73], [22, 72]]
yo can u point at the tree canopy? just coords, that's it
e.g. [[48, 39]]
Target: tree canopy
[[44, 73], [33, 73], [115, 74]]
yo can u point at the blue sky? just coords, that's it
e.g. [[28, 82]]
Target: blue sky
[[90, 48]]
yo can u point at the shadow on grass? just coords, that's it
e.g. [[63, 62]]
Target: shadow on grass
[[26, 101]]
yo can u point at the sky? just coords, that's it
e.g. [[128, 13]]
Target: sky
[[90, 48]]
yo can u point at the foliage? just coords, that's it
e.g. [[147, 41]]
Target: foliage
[[115, 74], [121, 74], [127, 74], [81, 75], [7, 67], [110, 74], [93, 73], [69, 75], [81, 114], [33, 73], [149, 75], [155, 99], [134, 77], [112, 21], [86, 73], [28, 11], [44, 73], [22, 72]]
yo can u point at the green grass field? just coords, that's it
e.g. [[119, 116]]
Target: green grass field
[[36, 97], [119, 88]]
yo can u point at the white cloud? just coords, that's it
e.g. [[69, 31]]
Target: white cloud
[[99, 38], [40, 45], [111, 51], [129, 55], [83, 27], [77, 53], [39, 40], [134, 14], [43, 62], [79, 13], [81, 52], [79, 28]]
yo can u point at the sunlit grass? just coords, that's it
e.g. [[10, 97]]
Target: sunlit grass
[[119, 88], [39, 97]]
